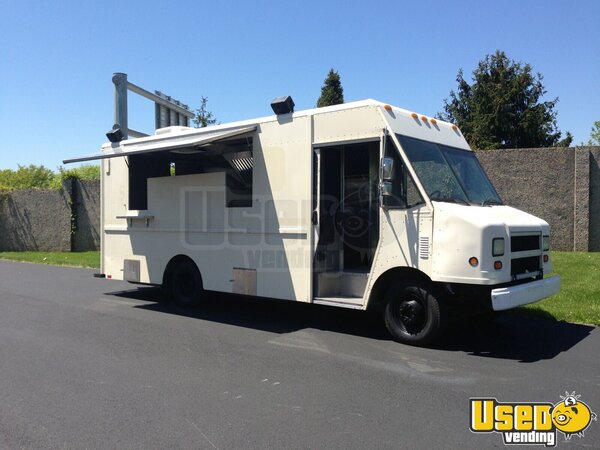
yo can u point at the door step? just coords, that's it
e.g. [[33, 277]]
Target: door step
[[341, 284], [343, 302]]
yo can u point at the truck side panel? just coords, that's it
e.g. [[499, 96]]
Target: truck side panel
[[188, 215]]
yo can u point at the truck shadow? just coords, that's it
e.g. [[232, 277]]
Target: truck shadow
[[274, 316], [518, 337]]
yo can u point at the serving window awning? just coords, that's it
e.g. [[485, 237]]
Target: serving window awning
[[161, 143]]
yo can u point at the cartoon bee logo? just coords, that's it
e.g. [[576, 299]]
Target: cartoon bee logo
[[572, 416]]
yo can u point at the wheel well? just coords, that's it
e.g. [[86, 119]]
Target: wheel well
[[386, 279], [175, 260]]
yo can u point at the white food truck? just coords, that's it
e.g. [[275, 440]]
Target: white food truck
[[361, 205]]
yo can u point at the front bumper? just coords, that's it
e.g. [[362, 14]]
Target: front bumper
[[522, 294]]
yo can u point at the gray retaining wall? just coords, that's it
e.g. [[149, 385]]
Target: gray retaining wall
[[36, 220], [525, 179], [594, 235], [66, 219], [86, 200], [560, 185]]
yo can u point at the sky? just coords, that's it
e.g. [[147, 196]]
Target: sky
[[57, 59]]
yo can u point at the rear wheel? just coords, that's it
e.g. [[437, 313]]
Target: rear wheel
[[412, 313], [186, 283]]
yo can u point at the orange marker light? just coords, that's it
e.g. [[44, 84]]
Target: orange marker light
[[433, 121], [424, 118], [473, 261], [454, 127], [387, 107], [414, 115], [497, 265]]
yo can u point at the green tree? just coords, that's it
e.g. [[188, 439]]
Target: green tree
[[83, 172], [595, 134], [332, 92], [502, 107], [204, 117], [40, 177], [27, 177]]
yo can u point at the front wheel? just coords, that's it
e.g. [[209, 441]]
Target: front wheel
[[412, 313]]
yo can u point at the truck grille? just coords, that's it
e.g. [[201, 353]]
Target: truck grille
[[526, 255], [524, 243], [527, 265]]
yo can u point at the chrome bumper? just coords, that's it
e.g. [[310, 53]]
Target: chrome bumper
[[522, 294]]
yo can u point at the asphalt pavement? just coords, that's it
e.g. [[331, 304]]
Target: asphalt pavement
[[90, 363]]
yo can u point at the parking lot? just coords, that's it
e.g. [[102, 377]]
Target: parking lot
[[89, 363]]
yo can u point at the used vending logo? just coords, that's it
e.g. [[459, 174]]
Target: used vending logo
[[531, 423]]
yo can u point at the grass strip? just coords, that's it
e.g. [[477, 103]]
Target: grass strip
[[579, 298], [73, 259]]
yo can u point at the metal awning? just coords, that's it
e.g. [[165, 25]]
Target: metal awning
[[161, 143]]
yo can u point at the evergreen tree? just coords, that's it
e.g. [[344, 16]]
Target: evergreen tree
[[502, 108], [332, 92]]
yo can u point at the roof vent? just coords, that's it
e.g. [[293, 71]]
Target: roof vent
[[283, 105], [176, 129]]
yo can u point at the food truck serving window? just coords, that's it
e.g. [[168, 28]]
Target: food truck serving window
[[234, 157]]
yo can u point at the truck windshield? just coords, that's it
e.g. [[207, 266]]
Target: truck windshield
[[449, 174]]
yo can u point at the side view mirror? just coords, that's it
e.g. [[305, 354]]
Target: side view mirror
[[387, 169], [387, 198], [386, 188]]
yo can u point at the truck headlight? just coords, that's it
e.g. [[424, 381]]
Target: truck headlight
[[546, 243], [498, 247]]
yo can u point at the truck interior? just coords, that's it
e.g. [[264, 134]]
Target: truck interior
[[234, 157], [346, 213]]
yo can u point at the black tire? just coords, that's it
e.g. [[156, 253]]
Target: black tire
[[412, 313], [185, 283]]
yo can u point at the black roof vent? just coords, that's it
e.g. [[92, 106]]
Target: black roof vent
[[283, 105]]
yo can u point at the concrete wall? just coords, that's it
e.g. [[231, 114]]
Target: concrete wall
[[35, 220], [594, 199], [525, 179], [560, 185], [51, 220], [86, 206]]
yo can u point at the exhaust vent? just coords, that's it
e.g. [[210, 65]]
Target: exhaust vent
[[242, 164], [424, 247]]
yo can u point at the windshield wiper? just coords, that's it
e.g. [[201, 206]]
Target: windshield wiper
[[491, 201], [439, 198]]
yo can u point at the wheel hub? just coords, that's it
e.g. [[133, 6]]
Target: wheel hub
[[411, 313]]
